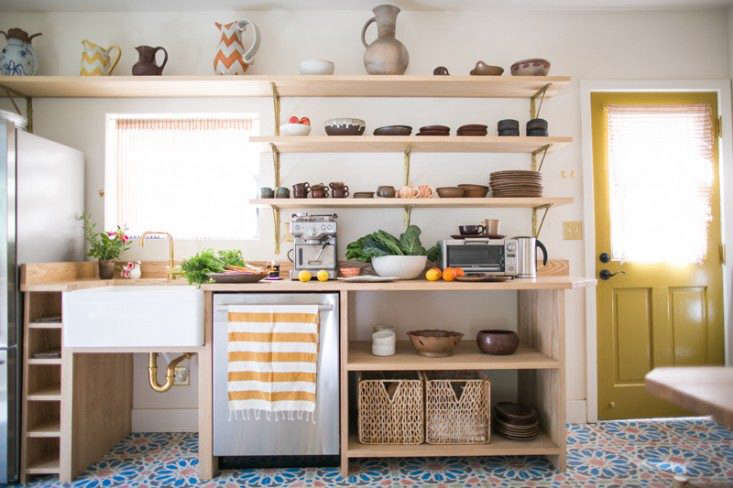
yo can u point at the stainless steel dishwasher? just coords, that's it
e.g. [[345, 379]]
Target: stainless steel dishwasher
[[263, 443]]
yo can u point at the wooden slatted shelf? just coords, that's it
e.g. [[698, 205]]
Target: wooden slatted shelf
[[286, 86], [412, 202], [48, 465], [415, 144], [541, 445], [49, 429], [467, 357]]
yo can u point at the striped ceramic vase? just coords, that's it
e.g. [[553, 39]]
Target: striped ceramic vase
[[96, 60], [231, 57]]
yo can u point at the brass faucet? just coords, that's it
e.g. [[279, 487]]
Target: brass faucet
[[171, 261]]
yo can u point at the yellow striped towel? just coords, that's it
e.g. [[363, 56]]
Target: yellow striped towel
[[272, 361]]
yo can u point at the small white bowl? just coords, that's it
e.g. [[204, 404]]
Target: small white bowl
[[295, 129], [314, 66], [403, 267]]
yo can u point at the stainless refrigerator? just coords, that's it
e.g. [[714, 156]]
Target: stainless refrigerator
[[41, 196]]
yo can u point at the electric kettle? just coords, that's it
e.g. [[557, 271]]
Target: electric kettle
[[527, 256]]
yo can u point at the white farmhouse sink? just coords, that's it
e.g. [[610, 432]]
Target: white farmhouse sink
[[134, 316]]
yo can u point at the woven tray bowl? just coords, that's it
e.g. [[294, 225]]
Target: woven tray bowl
[[434, 343]]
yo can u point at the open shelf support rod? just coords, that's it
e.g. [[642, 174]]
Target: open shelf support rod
[[275, 164], [406, 164], [276, 228], [536, 229], [276, 107], [534, 110], [408, 216], [11, 95], [543, 150]]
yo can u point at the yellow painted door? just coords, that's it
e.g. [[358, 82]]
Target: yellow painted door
[[656, 307]]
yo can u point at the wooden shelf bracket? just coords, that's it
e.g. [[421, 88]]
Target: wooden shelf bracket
[[276, 108], [276, 228], [534, 109]]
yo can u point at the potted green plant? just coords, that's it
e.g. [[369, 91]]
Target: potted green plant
[[105, 246]]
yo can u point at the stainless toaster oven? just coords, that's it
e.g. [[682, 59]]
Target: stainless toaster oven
[[481, 255]]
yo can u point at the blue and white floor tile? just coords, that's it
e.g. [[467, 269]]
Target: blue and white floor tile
[[634, 453]]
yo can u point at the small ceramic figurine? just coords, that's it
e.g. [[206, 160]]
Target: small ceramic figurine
[[131, 270], [17, 57]]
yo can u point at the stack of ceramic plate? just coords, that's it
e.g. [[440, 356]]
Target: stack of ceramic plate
[[515, 421], [516, 183], [472, 130], [434, 130]]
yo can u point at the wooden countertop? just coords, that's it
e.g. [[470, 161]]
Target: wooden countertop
[[706, 390], [541, 283]]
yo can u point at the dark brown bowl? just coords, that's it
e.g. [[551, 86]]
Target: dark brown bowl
[[393, 130], [434, 343], [474, 191], [498, 342]]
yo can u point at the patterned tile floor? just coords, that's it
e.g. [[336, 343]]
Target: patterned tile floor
[[621, 453]]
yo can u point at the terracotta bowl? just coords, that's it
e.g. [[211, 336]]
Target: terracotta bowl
[[497, 341], [531, 67], [348, 272], [434, 343], [450, 192], [474, 191]]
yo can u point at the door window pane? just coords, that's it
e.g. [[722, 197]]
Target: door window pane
[[660, 163]]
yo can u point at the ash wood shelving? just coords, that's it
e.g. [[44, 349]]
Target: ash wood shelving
[[414, 144], [466, 357], [542, 445], [284, 86], [293, 203]]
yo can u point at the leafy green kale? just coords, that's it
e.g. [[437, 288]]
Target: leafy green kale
[[410, 241], [198, 268], [381, 243]]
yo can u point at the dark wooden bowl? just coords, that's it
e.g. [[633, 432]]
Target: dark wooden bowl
[[498, 342]]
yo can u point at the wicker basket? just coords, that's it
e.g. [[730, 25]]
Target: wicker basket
[[391, 408], [457, 408]]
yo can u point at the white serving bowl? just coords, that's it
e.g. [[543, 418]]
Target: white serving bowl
[[402, 267], [314, 66], [295, 129]]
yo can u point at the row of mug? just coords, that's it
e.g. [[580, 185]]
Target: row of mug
[[301, 190]]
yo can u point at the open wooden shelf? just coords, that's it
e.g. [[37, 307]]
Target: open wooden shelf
[[47, 465], [49, 394], [48, 429], [499, 446], [44, 325], [539, 202], [467, 357], [47, 361], [286, 86], [415, 144]]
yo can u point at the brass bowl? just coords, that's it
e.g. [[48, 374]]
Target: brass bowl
[[434, 343]]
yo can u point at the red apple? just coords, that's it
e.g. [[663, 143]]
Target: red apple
[[305, 121], [293, 119]]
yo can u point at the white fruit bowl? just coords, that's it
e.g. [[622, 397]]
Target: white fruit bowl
[[402, 267], [295, 129], [316, 67]]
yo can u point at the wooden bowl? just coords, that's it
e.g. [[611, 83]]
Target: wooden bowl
[[474, 191], [498, 342], [434, 343], [450, 192]]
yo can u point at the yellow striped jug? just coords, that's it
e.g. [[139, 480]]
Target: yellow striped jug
[[96, 60]]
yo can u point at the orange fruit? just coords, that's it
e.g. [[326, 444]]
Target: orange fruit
[[459, 271], [433, 274], [449, 274]]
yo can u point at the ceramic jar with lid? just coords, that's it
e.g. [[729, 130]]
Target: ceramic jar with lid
[[17, 57]]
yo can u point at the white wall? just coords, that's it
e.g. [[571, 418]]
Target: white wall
[[620, 45]]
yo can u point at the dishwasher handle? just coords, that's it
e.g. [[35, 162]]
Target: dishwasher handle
[[224, 307]]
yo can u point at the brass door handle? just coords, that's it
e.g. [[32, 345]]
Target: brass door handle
[[607, 275]]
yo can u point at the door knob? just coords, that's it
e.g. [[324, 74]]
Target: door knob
[[604, 257], [606, 275]]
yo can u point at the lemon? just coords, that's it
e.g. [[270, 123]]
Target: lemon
[[322, 275], [433, 274], [305, 276]]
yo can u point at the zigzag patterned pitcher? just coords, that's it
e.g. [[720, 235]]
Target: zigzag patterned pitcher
[[96, 60], [231, 58]]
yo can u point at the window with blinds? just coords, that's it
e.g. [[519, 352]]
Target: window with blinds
[[661, 180], [191, 176]]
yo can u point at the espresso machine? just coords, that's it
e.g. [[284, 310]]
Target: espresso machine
[[314, 244]]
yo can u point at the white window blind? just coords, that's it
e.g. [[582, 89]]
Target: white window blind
[[661, 177], [191, 177]]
